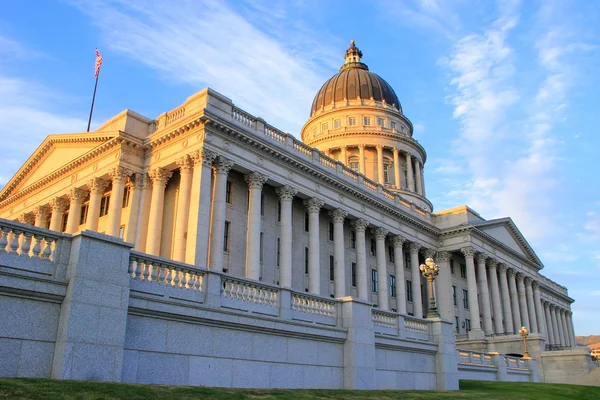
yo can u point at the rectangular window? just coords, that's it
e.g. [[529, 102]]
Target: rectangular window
[[392, 124], [409, 291], [331, 231], [374, 282], [451, 267], [351, 121], [366, 121], [407, 260], [262, 203], [393, 285], [306, 260], [353, 274], [63, 224], [226, 236], [228, 192], [456, 324], [467, 325], [454, 295], [463, 271], [337, 123], [386, 174], [126, 196], [278, 250], [261, 247], [121, 231], [373, 247], [331, 268], [354, 166], [391, 257], [381, 122], [104, 203], [278, 211], [324, 126], [465, 299], [83, 215], [305, 221], [353, 239]]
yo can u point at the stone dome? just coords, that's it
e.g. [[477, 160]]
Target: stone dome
[[354, 81]]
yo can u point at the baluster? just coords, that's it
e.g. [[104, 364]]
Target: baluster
[[131, 270], [26, 246], [154, 272], [200, 282], [168, 275], [14, 244], [47, 250], [194, 280], [138, 269], [4, 237], [177, 280], [160, 275], [146, 271]]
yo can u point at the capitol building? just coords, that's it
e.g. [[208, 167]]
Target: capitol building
[[300, 239]]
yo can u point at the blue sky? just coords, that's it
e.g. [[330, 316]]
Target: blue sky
[[503, 95]]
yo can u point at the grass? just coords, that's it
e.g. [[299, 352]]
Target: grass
[[22, 389]]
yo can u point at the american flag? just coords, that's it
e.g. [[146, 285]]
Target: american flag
[[98, 63]]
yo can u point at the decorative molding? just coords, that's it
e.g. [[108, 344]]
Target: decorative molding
[[443, 257], [398, 241], [77, 194], [338, 215], [468, 252], [97, 185], [204, 156], [313, 205], [119, 173], [380, 233], [222, 165], [360, 225], [255, 180], [59, 205], [160, 176], [492, 262], [414, 248], [286, 193], [185, 163]]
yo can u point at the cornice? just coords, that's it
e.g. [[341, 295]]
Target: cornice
[[163, 136]]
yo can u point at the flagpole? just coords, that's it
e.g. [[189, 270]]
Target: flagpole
[[93, 99]]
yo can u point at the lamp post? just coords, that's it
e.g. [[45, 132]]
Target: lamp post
[[430, 270], [524, 332]]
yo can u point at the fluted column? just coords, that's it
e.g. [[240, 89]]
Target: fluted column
[[419, 182], [160, 177], [523, 301], [539, 310], [397, 180], [514, 300], [571, 328], [286, 197], [383, 298], [135, 185], [255, 182], [495, 295], [484, 294], [115, 206], [508, 317], [361, 158], [415, 274], [97, 187], [196, 247], [531, 306], [360, 225], [469, 254], [563, 323], [58, 207], [380, 179], [443, 284], [398, 242], [41, 216], [410, 181], [338, 216], [185, 165], [313, 206], [561, 337], [554, 325], [551, 340], [219, 206]]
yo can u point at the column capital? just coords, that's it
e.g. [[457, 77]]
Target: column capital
[[379, 233], [185, 163], [428, 253], [502, 268], [41, 211], [223, 165], [414, 248], [286, 193], [119, 173], [481, 257], [520, 277], [160, 176], [535, 285], [512, 272], [58, 204], [468, 251], [77, 194], [255, 180], [360, 225], [379, 147], [528, 281], [492, 262], [27, 218], [204, 156], [135, 181], [398, 240], [338, 215], [97, 185], [361, 146], [551, 306], [313, 205], [443, 256]]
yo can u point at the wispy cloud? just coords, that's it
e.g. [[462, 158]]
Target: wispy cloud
[[436, 15], [208, 43]]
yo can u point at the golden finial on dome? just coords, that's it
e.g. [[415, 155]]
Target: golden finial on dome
[[353, 54], [352, 43]]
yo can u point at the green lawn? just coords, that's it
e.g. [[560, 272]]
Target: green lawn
[[19, 389]]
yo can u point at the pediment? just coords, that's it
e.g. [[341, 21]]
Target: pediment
[[505, 231]]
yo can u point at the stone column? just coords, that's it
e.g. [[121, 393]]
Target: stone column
[[571, 328], [135, 185], [561, 338], [360, 225], [219, 206], [539, 310], [496, 299], [343, 155], [97, 187], [255, 182], [383, 298], [484, 294], [58, 206], [115, 206], [523, 301], [531, 306], [185, 165], [338, 216], [443, 285], [159, 177], [421, 171], [415, 274], [313, 206], [41, 216], [476, 331], [196, 247], [508, 317], [419, 182], [514, 300], [397, 180], [380, 179], [76, 197], [361, 158], [564, 328], [398, 242], [410, 181], [554, 325], [551, 340], [286, 197], [141, 233]]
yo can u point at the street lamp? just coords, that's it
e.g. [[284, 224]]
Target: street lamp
[[430, 270], [524, 332]]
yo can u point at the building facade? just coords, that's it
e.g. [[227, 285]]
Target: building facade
[[342, 213]]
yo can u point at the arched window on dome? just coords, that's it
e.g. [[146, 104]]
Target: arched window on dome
[[353, 163]]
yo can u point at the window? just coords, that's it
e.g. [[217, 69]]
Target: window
[[353, 239], [463, 271], [407, 260], [451, 267], [409, 291], [392, 285], [305, 221], [373, 247], [374, 282], [367, 121], [121, 231], [324, 126], [278, 211], [83, 215], [261, 247], [353, 274], [63, 225], [331, 231], [456, 323], [422, 294], [278, 250], [381, 122], [262, 203], [354, 166], [454, 295], [466, 299], [467, 325], [392, 124], [126, 196], [306, 260], [351, 121], [331, 268], [104, 203], [387, 168], [226, 236], [337, 123], [391, 257], [228, 192]]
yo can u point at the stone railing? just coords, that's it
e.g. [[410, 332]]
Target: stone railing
[[243, 117], [466, 357], [313, 305], [416, 328], [249, 291], [275, 134], [515, 363], [384, 319], [144, 267]]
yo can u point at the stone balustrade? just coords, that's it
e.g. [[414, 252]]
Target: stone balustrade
[[27, 241], [249, 291], [243, 117], [466, 357], [384, 319], [515, 363], [416, 328], [313, 305], [145, 267]]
